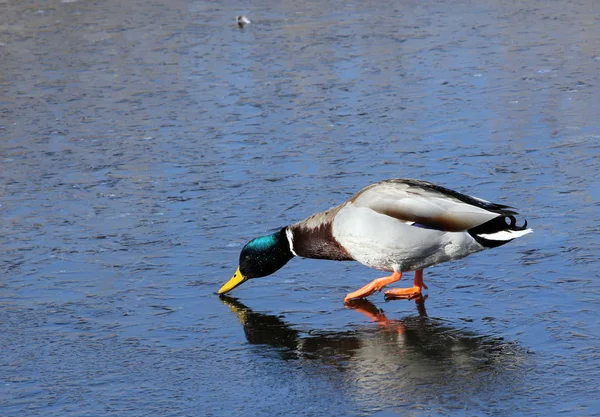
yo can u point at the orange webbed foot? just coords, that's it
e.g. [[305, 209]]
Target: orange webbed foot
[[403, 293], [408, 293], [373, 286]]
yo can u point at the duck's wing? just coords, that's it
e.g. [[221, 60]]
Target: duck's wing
[[427, 205]]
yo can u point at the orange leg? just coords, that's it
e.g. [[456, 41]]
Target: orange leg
[[375, 285], [408, 293]]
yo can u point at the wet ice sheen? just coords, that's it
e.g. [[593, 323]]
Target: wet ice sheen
[[143, 144]]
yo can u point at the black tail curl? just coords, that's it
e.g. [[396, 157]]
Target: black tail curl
[[513, 224]]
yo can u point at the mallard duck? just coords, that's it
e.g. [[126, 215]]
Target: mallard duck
[[242, 21], [396, 225]]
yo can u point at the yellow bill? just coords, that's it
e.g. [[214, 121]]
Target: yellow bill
[[237, 279]]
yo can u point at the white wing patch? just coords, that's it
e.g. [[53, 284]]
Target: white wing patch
[[505, 234]]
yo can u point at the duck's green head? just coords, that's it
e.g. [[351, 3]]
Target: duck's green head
[[260, 257]]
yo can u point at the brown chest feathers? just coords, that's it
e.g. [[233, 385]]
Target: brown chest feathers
[[313, 237]]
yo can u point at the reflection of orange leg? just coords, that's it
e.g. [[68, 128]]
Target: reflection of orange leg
[[375, 285], [368, 309], [378, 316], [408, 293]]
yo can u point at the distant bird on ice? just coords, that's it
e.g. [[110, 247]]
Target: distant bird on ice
[[242, 21]]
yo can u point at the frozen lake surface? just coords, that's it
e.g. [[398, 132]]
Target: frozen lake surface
[[142, 144]]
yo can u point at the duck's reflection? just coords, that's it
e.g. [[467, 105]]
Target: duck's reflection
[[382, 357]]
